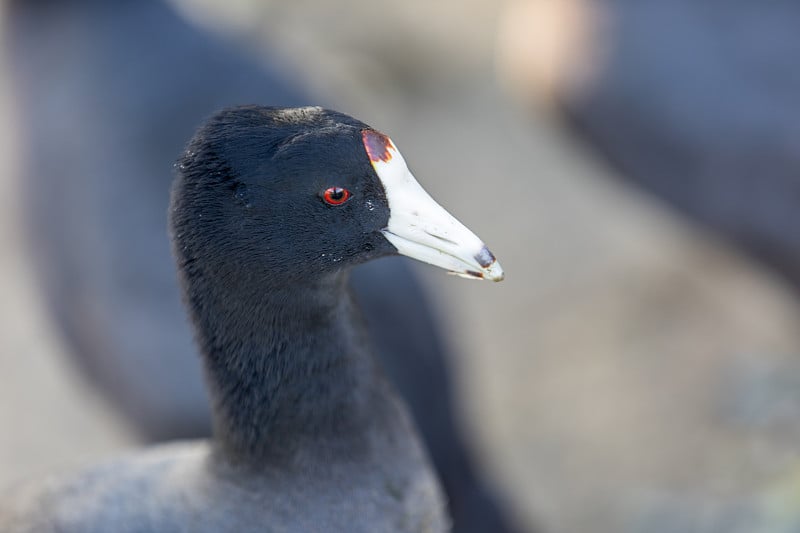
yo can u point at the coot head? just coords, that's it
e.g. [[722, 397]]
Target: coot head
[[295, 194]]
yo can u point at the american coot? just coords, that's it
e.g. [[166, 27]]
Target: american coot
[[94, 197], [270, 209]]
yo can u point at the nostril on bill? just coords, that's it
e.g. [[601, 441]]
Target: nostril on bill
[[443, 239]]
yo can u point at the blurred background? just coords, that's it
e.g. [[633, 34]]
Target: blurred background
[[635, 167]]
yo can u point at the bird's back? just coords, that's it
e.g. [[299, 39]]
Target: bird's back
[[182, 487]]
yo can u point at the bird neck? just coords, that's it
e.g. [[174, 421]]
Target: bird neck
[[288, 369]]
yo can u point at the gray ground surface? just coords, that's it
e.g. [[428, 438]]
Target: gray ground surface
[[631, 374]]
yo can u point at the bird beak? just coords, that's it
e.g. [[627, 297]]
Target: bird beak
[[418, 226]]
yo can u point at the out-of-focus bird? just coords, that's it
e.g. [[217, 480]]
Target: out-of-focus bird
[[697, 102]]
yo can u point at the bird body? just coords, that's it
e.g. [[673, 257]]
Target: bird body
[[183, 487]]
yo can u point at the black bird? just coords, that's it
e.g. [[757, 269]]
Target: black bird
[[271, 208], [106, 94]]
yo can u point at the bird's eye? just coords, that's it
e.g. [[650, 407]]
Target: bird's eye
[[335, 195]]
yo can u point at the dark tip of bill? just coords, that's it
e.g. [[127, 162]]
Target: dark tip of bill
[[484, 257], [377, 145]]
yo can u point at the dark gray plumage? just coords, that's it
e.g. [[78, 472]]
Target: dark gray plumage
[[180, 488]]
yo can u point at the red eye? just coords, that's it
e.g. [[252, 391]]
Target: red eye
[[336, 195]]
